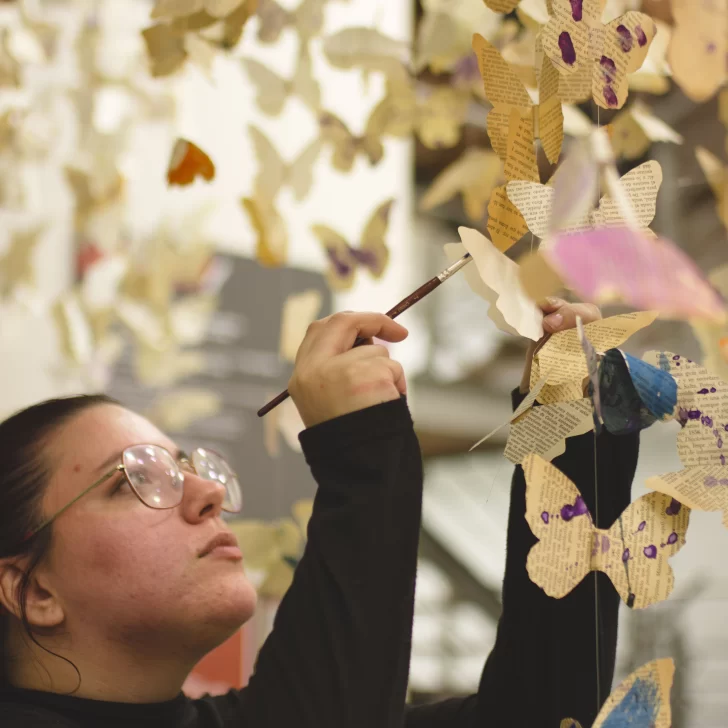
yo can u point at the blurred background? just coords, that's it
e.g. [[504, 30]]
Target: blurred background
[[112, 279]]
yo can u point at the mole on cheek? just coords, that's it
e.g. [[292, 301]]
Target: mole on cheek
[[76, 468]]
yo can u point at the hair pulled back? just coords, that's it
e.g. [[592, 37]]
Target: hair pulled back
[[24, 475]]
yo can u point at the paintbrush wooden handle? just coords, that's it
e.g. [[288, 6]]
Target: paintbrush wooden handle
[[400, 308]]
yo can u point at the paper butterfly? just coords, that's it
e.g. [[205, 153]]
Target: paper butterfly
[[347, 147], [494, 277], [698, 47], [307, 19], [545, 208], [717, 175], [576, 40], [171, 9], [272, 235], [344, 259], [274, 173], [633, 130], [273, 91], [561, 359], [609, 265], [367, 49], [169, 48], [633, 553], [514, 119], [475, 174], [188, 162], [16, 263], [642, 700]]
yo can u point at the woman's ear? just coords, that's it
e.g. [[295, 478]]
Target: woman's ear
[[42, 607]]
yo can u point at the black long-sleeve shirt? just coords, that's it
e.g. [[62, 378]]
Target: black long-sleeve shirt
[[338, 655]]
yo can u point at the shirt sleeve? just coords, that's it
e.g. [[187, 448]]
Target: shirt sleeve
[[553, 658], [338, 655]]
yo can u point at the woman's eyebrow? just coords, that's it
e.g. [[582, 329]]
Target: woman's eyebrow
[[116, 458]]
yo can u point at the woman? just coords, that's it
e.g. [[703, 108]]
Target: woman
[[123, 587]]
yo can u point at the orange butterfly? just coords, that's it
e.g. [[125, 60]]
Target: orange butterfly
[[187, 162]]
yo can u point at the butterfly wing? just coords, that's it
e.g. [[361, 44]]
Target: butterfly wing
[[644, 537], [703, 488], [342, 265], [271, 89], [271, 168], [550, 111], [273, 19], [336, 133], [627, 40], [534, 201], [310, 18], [642, 700], [502, 86], [272, 236], [566, 35], [440, 117], [373, 252], [187, 162], [641, 186], [300, 174], [305, 85], [558, 517]]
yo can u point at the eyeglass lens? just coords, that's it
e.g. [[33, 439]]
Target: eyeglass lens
[[159, 482]]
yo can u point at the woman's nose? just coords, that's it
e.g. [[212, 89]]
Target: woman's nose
[[201, 498]]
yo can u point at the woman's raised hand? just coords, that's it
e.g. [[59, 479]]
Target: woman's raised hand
[[331, 379]]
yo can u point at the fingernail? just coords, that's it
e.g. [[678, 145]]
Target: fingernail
[[553, 321], [552, 300]]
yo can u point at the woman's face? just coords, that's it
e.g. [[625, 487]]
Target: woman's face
[[124, 571]]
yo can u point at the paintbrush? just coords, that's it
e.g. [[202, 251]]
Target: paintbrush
[[401, 307]]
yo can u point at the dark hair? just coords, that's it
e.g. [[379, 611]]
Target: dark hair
[[24, 474]]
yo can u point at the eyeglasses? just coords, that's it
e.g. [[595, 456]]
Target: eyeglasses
[[157, 478]]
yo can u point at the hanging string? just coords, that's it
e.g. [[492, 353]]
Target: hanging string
[[597, 522]]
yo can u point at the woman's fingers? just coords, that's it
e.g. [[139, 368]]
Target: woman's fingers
[[562, 318], [337, 333]]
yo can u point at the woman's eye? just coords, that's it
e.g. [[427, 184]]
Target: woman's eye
[[120, 486]]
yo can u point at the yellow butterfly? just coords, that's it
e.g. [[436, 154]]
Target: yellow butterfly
[[347, 146], [307, 19], [274, 173], [273, 91], [633, 130], [474, 174], [345, 259], [272, 235], [698, 47], [16, 264], [641, 700], [514, 121], [633, 553]]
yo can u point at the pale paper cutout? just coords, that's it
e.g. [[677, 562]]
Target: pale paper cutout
[[283, 420], [535, 202], [505, 223], [713, 338], [502, 6], [717, 175], [544, 430], [641, 700], [563, 357], [273, 91], [576, 122], [474, 174], [654, 75], [175, 411], [494, 277], [633, 130], [274, 173], [698, 47], [522, 408], [299, 311], [633, 553]]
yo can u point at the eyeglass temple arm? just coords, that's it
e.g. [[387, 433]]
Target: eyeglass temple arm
[[101, 480]]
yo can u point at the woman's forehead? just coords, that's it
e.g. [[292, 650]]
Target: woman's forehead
[[91, 438]]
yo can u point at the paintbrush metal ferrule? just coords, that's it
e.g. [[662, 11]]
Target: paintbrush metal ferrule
[[454, 268]]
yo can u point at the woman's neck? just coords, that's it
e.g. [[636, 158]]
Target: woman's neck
[[109, 672]]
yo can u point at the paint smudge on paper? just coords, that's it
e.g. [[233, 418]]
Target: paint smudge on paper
[[566, 45], [625, 38]]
